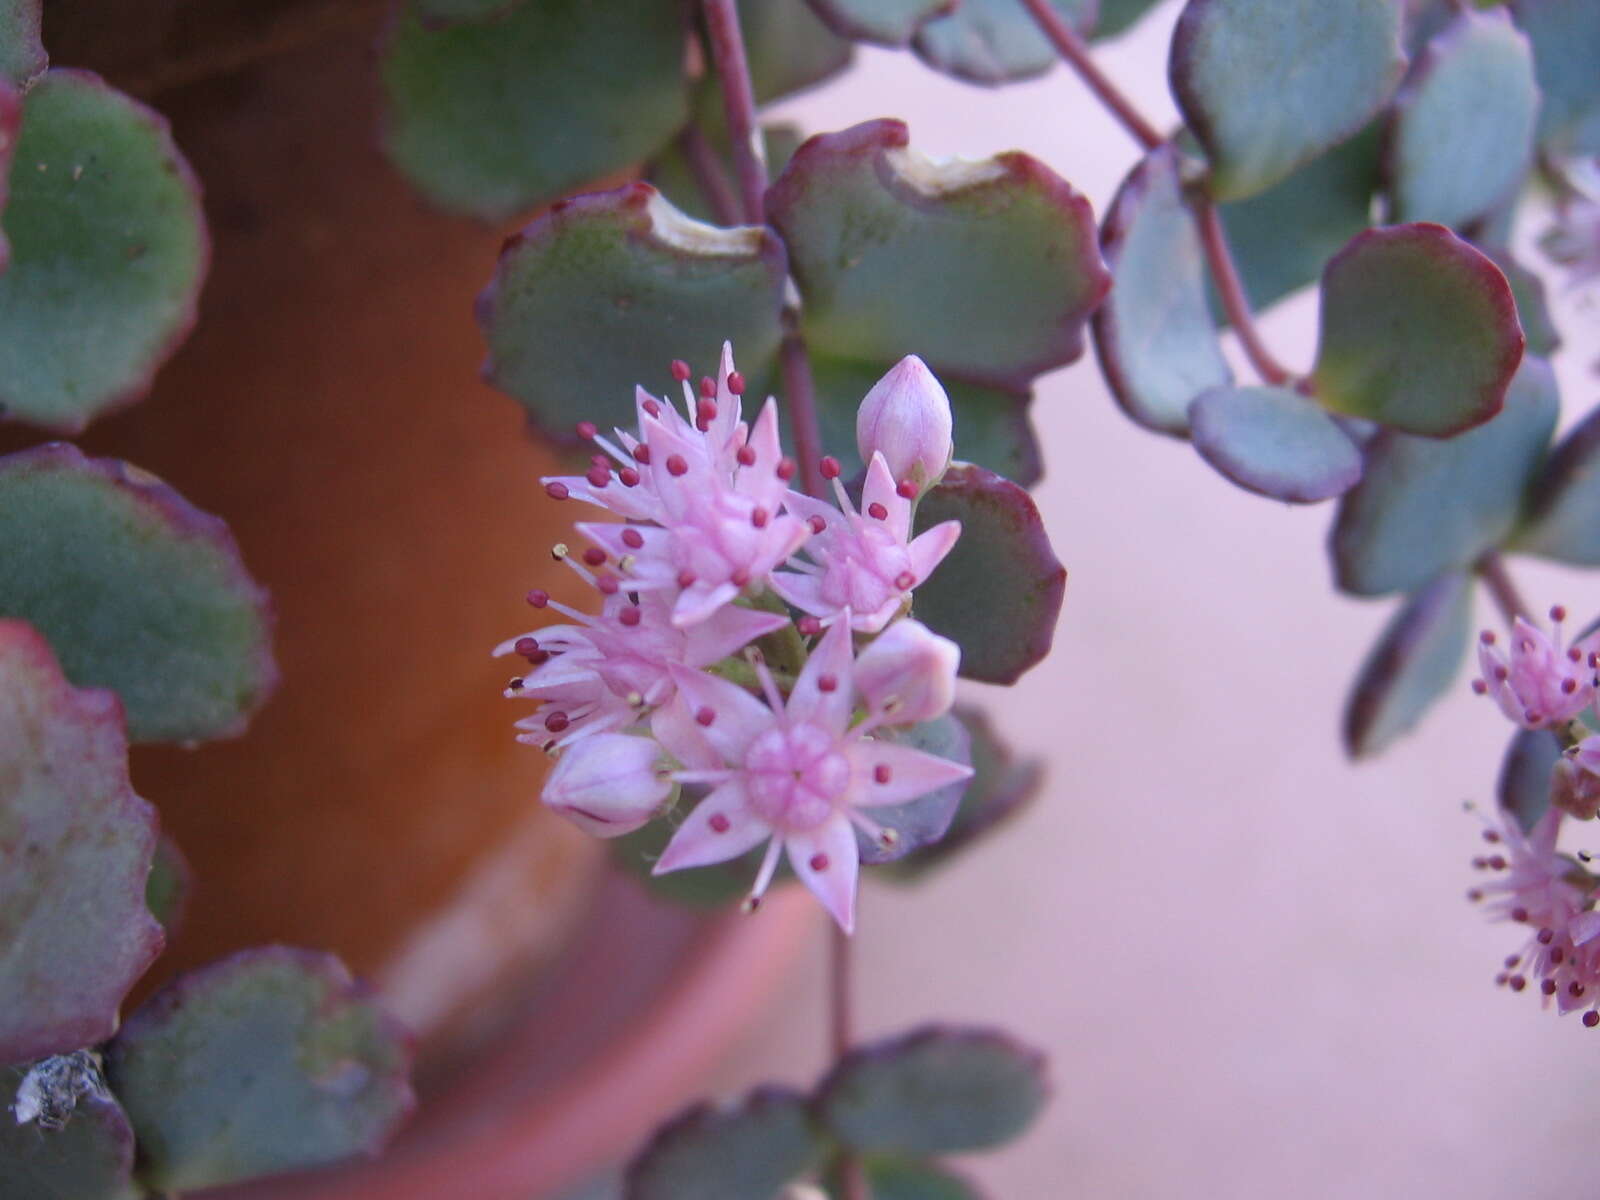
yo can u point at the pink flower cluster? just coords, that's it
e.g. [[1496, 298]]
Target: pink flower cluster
[[1541, 684], [664, 684]]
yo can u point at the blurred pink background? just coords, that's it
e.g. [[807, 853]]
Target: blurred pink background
[[1252, 962]]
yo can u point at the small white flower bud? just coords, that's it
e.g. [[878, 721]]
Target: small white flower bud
[[906, 418], [908, 673], [608, 784]]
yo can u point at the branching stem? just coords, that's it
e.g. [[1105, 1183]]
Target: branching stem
[[1492, 570], [1230, 288], [733, 71], [1071, 48]]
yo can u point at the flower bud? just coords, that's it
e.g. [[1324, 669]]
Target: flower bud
[[608, 784], [908, 674], [906, 418]]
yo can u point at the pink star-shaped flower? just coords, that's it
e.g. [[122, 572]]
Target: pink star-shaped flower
[[1540, 684]]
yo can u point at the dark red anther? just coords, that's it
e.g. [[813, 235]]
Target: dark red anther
[[1519, 914], [1548, 986], [680, 370], [685, 578], [641, 454], [515, 685], [829, 467], [676, 465], [526, 646], [630, 616], [736, 383], [827, 683], [1574, 989], [719, 823], [538, 597], [608, 585], [759, 517], [1501, 674], [598, 476], [906, 490], [1568, 686], [1487, 637], [599, 460], [786, 469], [1591, 1019], [739, 578], [556, 722], [708, 386], [1498, 863], [819, 862], [1545, 936], [556, 490], [877, 511], [651, 406], [1517, 983], [706, 410], [594, 556], [704, 716], [746, 456], [1557, 613], [1557, 954], [1480, 687], [881, 773], [587, 430], [1491, 836], [539, 657], [632, 538], [808, 626], [818, 523], [629, 477], [905, 581]]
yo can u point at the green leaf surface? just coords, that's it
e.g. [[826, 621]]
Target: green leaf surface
[[886, 22], [22, 56], [1533, 308], [788, 48], [75, 850], [935, 1091], [1526, 773], [1563, 517], [1566, 49], [1000, 788], [998, 595], [1412, 665], [89, 1158], [895, 1179], [1118, 16], [1283, 237], [605, 290], [987, 270], [493, 119], [1267, 87], [108, 251], [1464, 122], [992, 427], [166, 890], [674, 175], [995, 41], [269, 1060], [1425, 506], [749, 1151], [438, 14], [137, 590], [1275, 442], [922, 822], [1419, 331], [1155, 338], [10, 130]]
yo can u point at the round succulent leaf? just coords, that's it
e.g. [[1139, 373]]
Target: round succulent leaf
[[788, 47], [747, 1151], [922, 822], [1118, 16], [998, 594], [673, 174], [1154, 335], [885, 22], [90, 1157], [605, 290], [493, 119], [1563, 517], [1419, 331], [1464, 122], [75, 851], [1526, 773], [439, 14], [1267, 87], [108, 251], [1001, 786], [269, 1060], [1282, 238], [1566, 47], [1275, 442], [167, 889], [992, 427], [1425, 506], [22, 56], [137, 590], [988, 269], [897, 1179], [937, 1090], [1412, 665], [995, 41], [1533, 308]]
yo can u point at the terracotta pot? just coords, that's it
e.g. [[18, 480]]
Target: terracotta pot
[[327, 406]]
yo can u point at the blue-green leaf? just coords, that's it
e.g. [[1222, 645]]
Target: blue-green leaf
[[886, 22], [1526, 773], [1274, 441], [81, 1150], [995, 41], [1566, 47], [745, 1152], [1563, 520]]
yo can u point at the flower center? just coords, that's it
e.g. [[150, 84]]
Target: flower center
[[795, 777]]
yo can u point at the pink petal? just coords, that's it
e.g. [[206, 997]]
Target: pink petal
[[736, 717], [802, 591], [760, 479], [728, 629], [912, 773], [927, 550], [729, 408], [825, 692], [702, 839], [832, 847], [674, 726], [700, 600], [653, 544], [879, 488], [1584, 927]]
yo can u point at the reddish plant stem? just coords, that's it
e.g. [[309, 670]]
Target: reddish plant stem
[[708, 176], [733, 71], [1492, 570], [852, 1182], [1230, 288], [1071, 48], [801, 398]]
